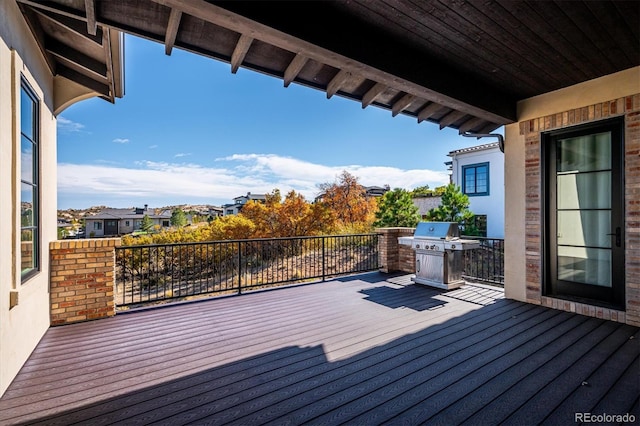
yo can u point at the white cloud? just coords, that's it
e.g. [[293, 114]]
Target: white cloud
[[153, 146], [67, 126], [121, 140], [182, 154], [234, 175]]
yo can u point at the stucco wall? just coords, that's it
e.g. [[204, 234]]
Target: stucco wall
[[613, 95], [22, 326]]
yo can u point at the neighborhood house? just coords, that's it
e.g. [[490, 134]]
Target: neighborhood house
[[113, 222], [479, 172]]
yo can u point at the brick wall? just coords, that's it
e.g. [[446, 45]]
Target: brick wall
[[394, 257], [629, 107], [82, 279]]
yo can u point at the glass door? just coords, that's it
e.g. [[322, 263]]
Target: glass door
[[585, 214]]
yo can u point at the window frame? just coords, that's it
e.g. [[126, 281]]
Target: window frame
[[34, 139], [475, 166], [610, 297]]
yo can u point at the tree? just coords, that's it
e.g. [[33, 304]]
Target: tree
[[293, 216], [454, 208], [422, 191], [396, 208], [178, 218], [147, 224], [347, 201]]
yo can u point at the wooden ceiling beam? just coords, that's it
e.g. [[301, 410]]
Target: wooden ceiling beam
[[90, 11], [75, 26], [489, 128], [451, 118], [336, 82], [471, 124], [172, 30], [240, 51], [372, 94], [500, 109], [294, 68], [429, 111], [96, 86], [401, 104], [64, 52]]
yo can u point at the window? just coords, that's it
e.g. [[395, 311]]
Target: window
[[475, 179], [97, 226], [166, 223], [127, 223], [29, 181]]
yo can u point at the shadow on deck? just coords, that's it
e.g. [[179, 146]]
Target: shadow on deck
[[363, 350]]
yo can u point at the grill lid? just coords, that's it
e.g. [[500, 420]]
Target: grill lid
[[437, 230]]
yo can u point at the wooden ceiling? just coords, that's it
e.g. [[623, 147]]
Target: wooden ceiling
[[458, 63]]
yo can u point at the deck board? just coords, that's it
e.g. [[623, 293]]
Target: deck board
[[366, 349]]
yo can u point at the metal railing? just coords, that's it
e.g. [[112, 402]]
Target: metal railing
[[151, 273], [486, 263]]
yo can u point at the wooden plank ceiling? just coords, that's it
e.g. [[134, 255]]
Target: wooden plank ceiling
[[460, 64]]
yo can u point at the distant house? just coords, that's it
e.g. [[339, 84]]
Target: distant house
[[369, 191], [479, 172], [216, 212], [109, 222], [239, 202], [376, 191]]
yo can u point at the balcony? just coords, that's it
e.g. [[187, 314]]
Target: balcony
[[363, 349]]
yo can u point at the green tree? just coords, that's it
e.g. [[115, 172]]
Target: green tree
[[422, 191], [396, 208], [147, 224], [178, 218], [454, 207]]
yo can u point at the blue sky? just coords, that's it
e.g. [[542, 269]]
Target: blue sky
[[188, 131]]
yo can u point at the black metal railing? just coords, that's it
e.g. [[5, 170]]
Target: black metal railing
[[151, 273], [486, 263]]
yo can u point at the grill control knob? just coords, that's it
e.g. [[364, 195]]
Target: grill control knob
[[417, 245], [453, 246]]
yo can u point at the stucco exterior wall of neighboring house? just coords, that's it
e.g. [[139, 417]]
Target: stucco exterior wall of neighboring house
[[424, 204], [24, 306], [489, 203], [615, 95]]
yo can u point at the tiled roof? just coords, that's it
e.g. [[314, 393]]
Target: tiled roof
[[475, 148]]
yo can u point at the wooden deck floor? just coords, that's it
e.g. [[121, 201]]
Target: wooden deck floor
[[362, 350]]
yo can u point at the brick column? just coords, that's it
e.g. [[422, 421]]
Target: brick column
[[393, 257], [82, 279]]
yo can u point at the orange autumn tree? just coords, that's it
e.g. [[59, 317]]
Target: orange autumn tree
[[348, 203], [290, 217]]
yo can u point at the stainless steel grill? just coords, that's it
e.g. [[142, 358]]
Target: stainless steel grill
[[439, 254]]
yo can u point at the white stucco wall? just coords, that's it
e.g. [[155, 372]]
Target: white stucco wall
[[491, 205], [22, 326], [603, 89]]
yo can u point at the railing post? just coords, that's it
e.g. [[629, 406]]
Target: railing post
[[239, 267], [323, 259]]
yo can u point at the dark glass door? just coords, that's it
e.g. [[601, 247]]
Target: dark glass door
[[585, 213], [110, 227]]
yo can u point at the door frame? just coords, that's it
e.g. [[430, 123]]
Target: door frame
[[613, 297]]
